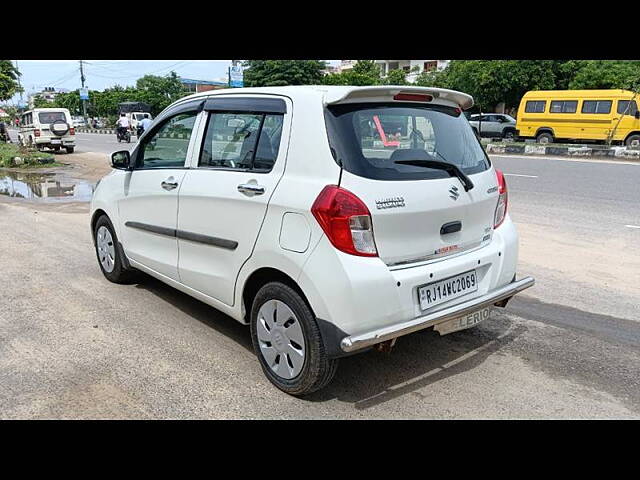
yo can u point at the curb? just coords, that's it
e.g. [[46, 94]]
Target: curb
[[577, 151], [108, 131]]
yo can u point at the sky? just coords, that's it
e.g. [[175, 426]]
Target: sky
[[101, 74]]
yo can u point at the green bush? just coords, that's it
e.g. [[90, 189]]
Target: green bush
[[12, 155]]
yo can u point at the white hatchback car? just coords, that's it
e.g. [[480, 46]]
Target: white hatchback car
[[330, 219]]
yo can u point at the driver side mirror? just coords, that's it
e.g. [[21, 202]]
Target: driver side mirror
[[121, 160]]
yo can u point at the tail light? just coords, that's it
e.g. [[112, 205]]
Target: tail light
[[503, 197], [36, 132], [346, 221], [72, 131], [413, 97]]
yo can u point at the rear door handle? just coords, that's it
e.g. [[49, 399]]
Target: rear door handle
[[251, 189], [169, 184]]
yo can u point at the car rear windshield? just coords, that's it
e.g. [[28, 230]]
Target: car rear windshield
[[368, 139], [50, 117]]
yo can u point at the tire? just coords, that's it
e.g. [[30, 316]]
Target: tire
[[509, 135], [118, 138], [293, 324], [70, 149], [114, 271], [633, 140], [544, 137]]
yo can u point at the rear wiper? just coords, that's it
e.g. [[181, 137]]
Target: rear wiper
[[450, 168]]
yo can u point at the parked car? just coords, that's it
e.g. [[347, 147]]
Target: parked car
[[494, 125], [570, 115], [47, 127], [307, 227], [79, 122]]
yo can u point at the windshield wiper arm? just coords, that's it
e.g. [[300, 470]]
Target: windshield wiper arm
[[450, 168]]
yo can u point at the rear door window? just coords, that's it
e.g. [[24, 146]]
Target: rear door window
[[242, 141], [596, 106], [368, 139], [51, 117], [563, 106], [627, 107]]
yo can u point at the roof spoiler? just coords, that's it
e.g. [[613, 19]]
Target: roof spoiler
[[384, 92]]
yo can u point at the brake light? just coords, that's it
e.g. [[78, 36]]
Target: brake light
[[72, 131], [503, 197], [413, 97], [36, 132], [346, 221]]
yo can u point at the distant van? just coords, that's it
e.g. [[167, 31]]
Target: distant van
[[570, 115], [47, 127]]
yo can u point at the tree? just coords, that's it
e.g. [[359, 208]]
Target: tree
[[159, 92], [491, 82], [8, 80], [263, 73], [364, 72], [396, 77], [607, 74]]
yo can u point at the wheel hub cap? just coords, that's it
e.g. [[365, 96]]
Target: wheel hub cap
[[106, 249], [281, 339]]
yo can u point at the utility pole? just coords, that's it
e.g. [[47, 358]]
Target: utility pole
[[19, 84], [84, 102]]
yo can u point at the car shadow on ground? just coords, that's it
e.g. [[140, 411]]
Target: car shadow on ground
[[198, 310], [371, 378]]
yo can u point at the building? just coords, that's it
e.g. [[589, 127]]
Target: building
[[407, 65], [197, 86], [49, 94], [413, 67], [346, 65]]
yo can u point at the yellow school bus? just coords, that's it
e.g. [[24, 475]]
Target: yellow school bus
[[570, 115]]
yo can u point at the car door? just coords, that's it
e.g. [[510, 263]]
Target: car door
[[149, 203], [224, 198]]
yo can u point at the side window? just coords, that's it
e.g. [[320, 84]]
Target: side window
[[535, 106], [563, 106], [168, 146], [596, 106], [627, 107], [241, 141]]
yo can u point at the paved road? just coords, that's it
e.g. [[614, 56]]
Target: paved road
[[76, 346], [93, 142], [101, 143]]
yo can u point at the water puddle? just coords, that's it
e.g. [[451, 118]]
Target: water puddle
[[44, 187]]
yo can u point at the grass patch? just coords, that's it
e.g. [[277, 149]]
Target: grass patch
[[14, 156]]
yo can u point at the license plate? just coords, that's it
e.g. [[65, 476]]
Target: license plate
[[464, 322], [56, 141], [444, 290]]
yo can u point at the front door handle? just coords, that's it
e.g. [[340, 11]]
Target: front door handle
[[169, 184], [251, 189]]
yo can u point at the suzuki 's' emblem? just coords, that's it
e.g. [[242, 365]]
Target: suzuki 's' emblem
[[453, 193]]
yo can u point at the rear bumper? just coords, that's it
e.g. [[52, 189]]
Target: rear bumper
[[65, 141], [367, 339]]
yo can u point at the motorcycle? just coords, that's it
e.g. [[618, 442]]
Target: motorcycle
[[123, 134]]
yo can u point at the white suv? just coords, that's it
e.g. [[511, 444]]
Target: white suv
[[47, 127], [329, 219]]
